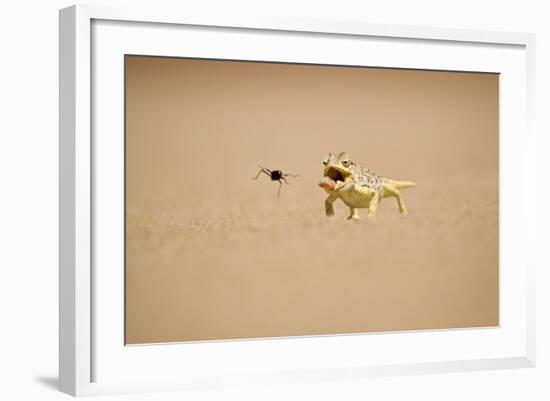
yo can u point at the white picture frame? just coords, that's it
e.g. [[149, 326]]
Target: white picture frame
[[85, 349]]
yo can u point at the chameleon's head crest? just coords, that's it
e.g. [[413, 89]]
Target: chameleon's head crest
[[344, 159]]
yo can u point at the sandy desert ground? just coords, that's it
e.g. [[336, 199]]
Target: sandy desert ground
[[212, 254], [279, 267]]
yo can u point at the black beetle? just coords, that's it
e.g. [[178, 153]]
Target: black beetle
[[275, 175]]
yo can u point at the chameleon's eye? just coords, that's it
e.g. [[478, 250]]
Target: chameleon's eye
[[325, 162], [345, 163]]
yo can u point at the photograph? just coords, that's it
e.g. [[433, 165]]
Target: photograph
[[270, 199]]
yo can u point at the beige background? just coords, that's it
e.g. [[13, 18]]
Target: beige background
[[212, 254]]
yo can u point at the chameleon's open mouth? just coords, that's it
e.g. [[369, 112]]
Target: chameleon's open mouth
[[336, 174], [332, 176]]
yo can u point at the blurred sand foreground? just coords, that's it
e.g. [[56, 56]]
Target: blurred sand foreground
[[212, 254]]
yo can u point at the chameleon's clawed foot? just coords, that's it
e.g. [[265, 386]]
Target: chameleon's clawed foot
[[329, 209], [353, 215]]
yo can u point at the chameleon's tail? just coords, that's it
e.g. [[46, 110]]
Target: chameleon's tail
[[403, 184]]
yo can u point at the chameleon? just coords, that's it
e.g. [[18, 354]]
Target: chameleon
[[357, 186]]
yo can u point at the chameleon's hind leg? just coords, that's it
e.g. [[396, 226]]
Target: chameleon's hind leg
[[353, 214], [397, 194]]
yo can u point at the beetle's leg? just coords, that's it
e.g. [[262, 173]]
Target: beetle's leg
[[264, 170], [280, 185], [291, 175]]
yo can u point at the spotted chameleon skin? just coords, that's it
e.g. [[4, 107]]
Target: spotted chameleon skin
[[365, 177], [358, 186]]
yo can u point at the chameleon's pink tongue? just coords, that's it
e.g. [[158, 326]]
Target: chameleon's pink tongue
[[327, 183]]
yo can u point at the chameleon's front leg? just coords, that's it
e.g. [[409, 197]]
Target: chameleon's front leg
[[329, 209], [370, 194], [353, 214], [373, 204]]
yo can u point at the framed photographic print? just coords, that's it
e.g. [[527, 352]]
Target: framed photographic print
[[279, 200]]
